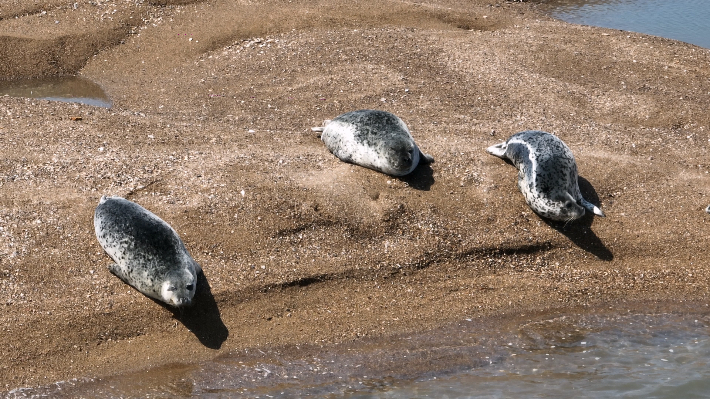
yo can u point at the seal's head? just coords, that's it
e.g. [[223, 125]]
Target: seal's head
[[562, 208], [402, 157], [571, 210], [179, 288]]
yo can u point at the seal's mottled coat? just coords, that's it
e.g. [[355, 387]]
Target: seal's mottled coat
[[547, 174], [148, 253], [374, 139]]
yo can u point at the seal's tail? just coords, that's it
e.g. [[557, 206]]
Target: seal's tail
[[320, 128], [425, 159], [498, 149]]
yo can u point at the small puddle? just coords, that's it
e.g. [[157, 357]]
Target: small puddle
[[71, 89]]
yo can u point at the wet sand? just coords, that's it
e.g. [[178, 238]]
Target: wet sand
[[210, 130]]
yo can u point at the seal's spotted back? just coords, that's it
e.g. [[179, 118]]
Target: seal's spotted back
[[374, 139], [547, 174], [148, 253]]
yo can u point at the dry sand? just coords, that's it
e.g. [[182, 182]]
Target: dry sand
[[210, 129]]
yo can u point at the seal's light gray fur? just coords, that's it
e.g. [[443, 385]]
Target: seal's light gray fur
[[374, 139], [148, 253], [547, 174]]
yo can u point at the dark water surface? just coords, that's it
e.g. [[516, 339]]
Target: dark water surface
[[684, 20], [65, 88], [663, 355]]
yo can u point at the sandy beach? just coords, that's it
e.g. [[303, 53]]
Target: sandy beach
[[213, 102]]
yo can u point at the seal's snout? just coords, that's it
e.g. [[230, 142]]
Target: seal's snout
[[181, 302], [408, 158], [571, 211]]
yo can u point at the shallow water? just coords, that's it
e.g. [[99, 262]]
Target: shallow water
[[582, 356], [639, 356], [65, 88], [684, 20]]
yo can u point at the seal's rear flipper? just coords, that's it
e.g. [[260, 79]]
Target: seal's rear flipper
[[320, 128], [425, 159], [592, 208], [198, 268], [498, 150]]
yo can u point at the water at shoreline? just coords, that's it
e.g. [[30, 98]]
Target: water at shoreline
[[684, 20], [632, 356], [637, 355]]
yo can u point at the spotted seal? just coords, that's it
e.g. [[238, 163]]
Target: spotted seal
[[547, 174], [374, 139], [148, 253]]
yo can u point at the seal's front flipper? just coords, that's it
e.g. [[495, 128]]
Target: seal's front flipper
[[592, 208], [425, 159], [118, 272], [498, 150]]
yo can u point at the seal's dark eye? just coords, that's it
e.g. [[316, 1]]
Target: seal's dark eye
[[189, 287]]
